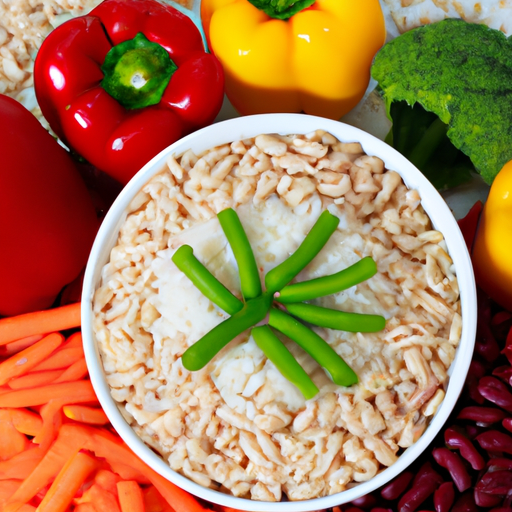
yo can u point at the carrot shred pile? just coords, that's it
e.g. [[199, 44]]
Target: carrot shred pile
[[59, 452]]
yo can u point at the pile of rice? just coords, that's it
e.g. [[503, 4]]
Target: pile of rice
[[238, 425]]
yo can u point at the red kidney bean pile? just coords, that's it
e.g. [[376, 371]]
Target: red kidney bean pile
[[468, 466]]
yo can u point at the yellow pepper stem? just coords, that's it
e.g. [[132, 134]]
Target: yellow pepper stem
[[281, 9]]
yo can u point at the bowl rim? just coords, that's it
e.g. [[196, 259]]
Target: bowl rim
[[241, 128]]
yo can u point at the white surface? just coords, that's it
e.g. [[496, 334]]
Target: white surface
[[240, 128]]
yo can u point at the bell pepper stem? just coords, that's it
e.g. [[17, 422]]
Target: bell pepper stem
[[137, 72], [281, 9]]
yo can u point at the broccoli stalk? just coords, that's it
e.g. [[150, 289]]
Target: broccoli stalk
[[448, 92]]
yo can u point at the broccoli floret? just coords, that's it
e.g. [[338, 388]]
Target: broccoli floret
[[461, 73]]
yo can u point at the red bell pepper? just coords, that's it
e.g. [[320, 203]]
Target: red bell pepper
[[125, 81], [47, 218]]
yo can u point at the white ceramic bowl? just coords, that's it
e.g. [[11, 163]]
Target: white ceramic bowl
[[250, 126]]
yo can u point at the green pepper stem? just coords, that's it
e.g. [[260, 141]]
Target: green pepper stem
[[249, 276], [428, 144], [315, 346], [204, 350], [137, 72], [281, 9], [283, 360], [205, 281], [322, 286], [340, 320], [315, 240]]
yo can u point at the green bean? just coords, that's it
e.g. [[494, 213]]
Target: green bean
[[291, 370], [341, 320], [204, 350], [205, 281], [321, 286], [315, 346], [247, 267], [281, 275]]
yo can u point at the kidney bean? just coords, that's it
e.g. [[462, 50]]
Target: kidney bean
[[501, 323], [397, 486], [499, 462], [507, 423], [427, 472], [455, 439], [483, 499], [504, 373], [453, 463], [476, 372], [353, 509], [367, 501], [380, 509], [495, 391], [465, 503], [482, 415], [473, 430], [495, 441], [507, 351], [444, 496], [486, 345], [415, 496], [501, 509], [495, 482]]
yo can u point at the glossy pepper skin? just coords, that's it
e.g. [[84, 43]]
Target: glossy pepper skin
[[492, 249], [117, 139], [318, 61], [47, 219]]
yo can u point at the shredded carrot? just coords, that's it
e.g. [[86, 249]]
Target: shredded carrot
[[33, 379], [68, 481], [107, 479], [39, 322], [102, 499], [22, 362], [15, 346], [130, 496], [74, 340], [85, 414], [103, 446], [7, 489], [74, 392], [21, 465], [52, 421], [71, 439], [23, 420], [153, 501], [61, 358], [12, 442], [76, 371], [85, 507]]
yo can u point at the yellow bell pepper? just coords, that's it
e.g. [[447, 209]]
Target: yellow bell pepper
[[317, 61], [492, 250]]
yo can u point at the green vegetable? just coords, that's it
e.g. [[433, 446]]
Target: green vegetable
[[456, 75], [205, 281], [247, 268], [274, 349], [314, 288], [204, 350], [315, 346], [321, 231], [341, 320]]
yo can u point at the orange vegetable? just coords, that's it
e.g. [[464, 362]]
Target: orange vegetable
[[22, 362], [21, 465], [62, 358], [23, 420], [78, 391], [85, 507], [34, 379], [12, 442], [107, 479], [39, 322], [101, 498], [71, 439], [76, 371], [130, 496], [14, 347], [7, 489], [84, 414], [68, 481]]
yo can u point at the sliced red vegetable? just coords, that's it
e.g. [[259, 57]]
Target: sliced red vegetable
[[468, 224]]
